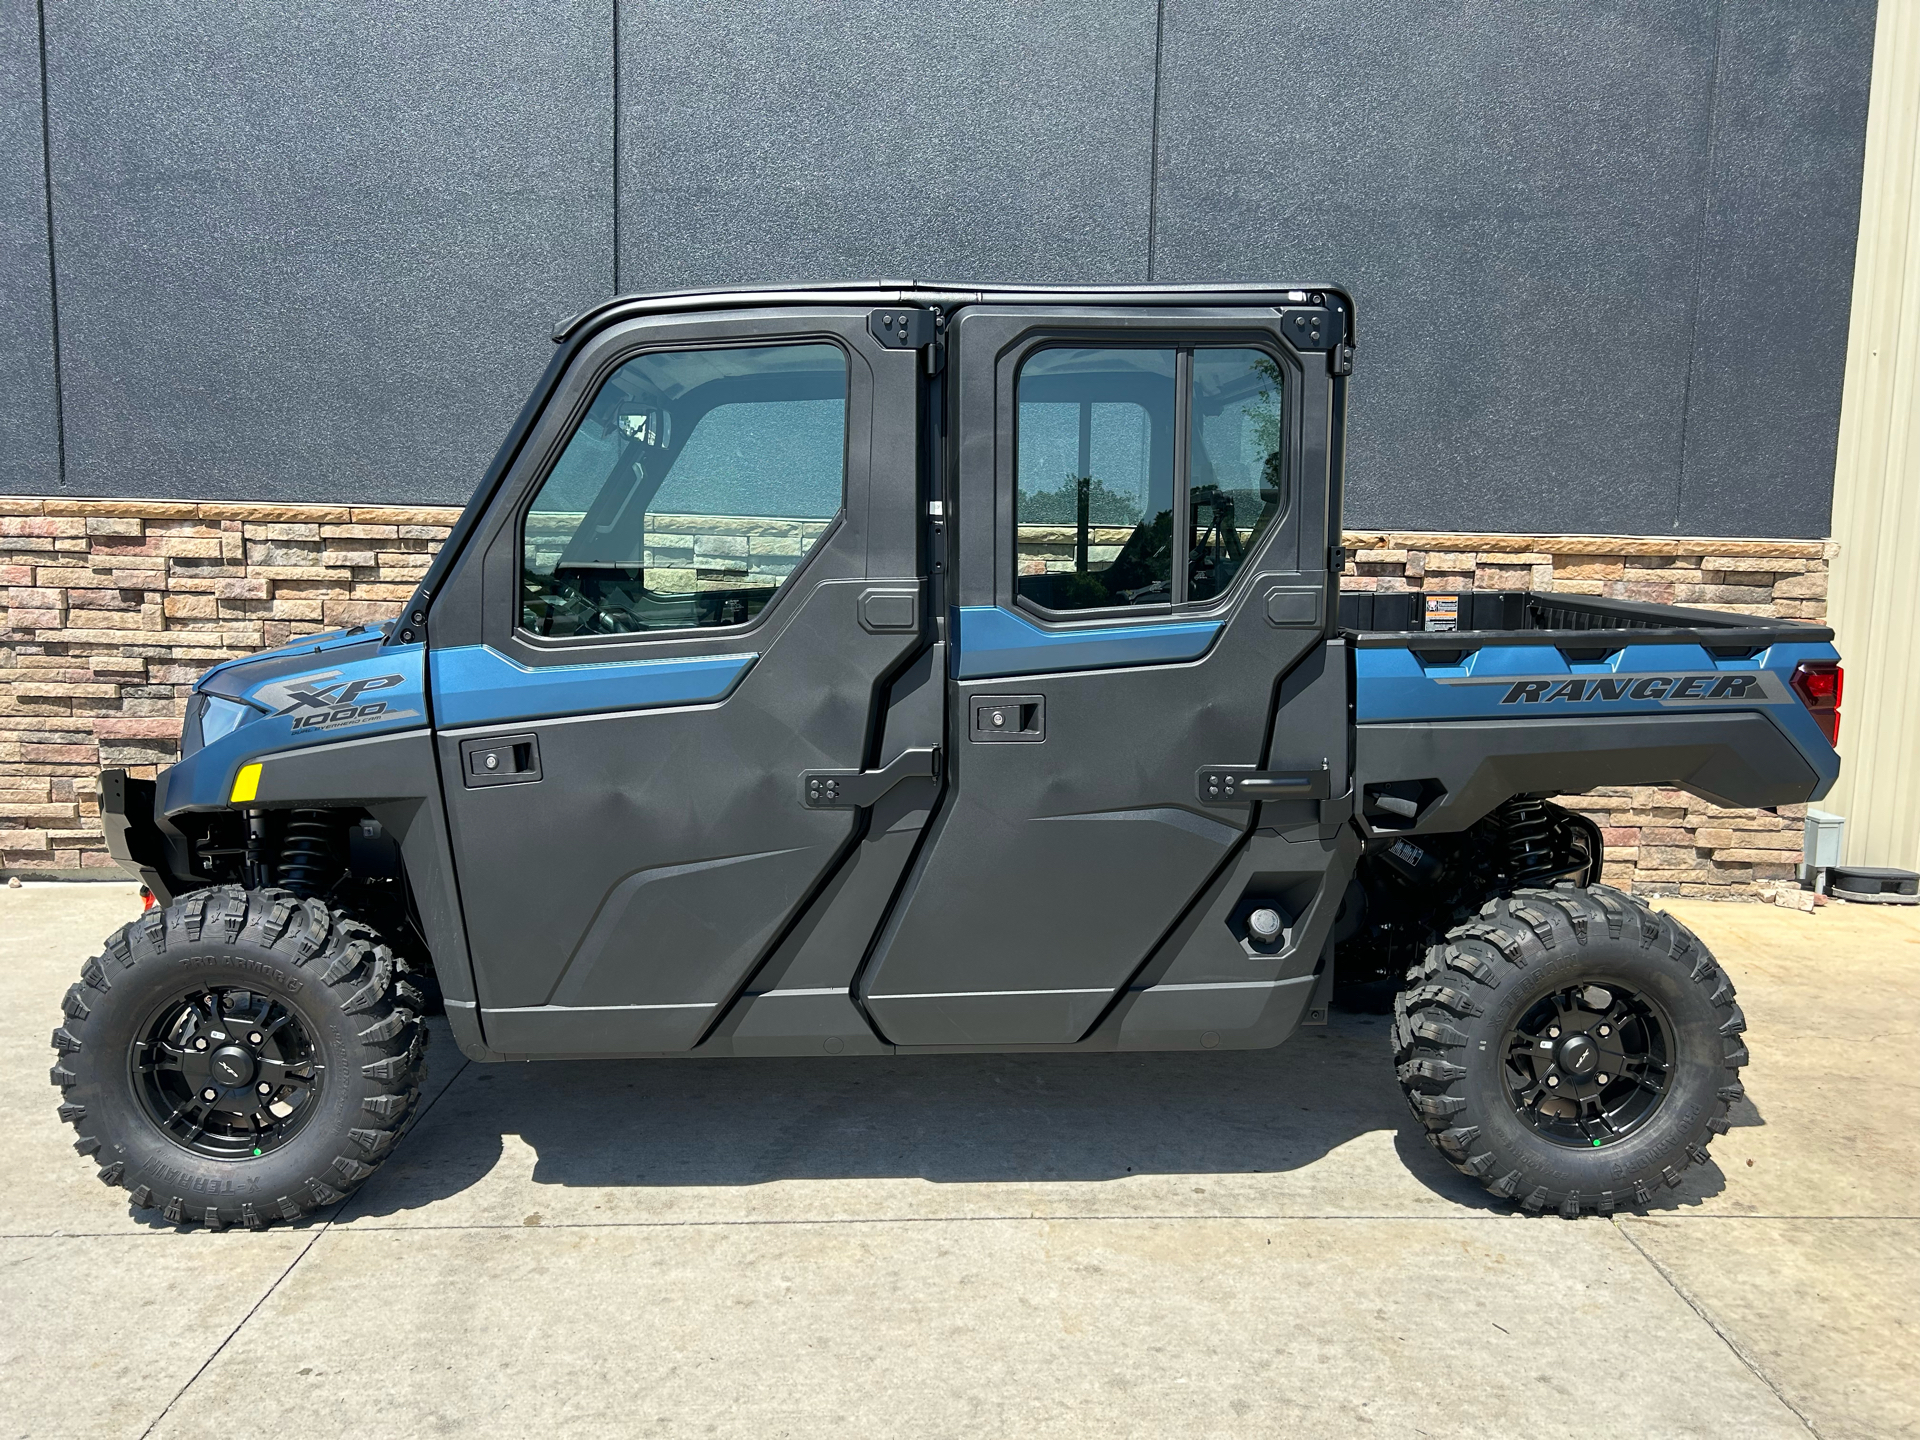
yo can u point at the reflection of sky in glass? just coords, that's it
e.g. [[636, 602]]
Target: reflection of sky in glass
[[1120, 393], [778, 458], [781, 455], [1236, 419], [1119, 458]]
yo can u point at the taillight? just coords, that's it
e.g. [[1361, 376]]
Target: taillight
[[1818, 683]]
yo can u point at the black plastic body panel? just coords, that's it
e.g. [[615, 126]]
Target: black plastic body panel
[[1733, 759], [1054, 866], [667, 850], [396, 779], [133, 838]]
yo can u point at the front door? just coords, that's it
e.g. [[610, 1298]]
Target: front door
[[691, 589], [1143, 587]]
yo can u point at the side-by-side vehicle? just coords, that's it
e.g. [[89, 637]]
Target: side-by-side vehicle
[[874, 669]]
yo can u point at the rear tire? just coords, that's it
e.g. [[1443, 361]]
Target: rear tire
[[1570, 1049], [239, 1057]]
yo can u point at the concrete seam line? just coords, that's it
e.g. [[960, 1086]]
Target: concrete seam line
[[305, 1250], [251, 1311], [1739, 1351], [157, 1234], [1204, 1218]]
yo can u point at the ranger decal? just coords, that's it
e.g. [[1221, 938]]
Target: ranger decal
[[1746, 687]]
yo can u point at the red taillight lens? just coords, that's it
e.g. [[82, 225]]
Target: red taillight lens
[[1819, 683]]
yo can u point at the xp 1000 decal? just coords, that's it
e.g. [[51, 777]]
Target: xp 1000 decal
[[330, 700]]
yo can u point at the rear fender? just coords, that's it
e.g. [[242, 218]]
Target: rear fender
[[1464, 769]]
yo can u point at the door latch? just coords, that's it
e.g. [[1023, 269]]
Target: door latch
[[1243, 784], [501, 760], [857, 789]]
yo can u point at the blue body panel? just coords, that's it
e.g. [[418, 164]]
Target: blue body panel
[[374, 695], [1538, 682], [990, 641], [477, 685]]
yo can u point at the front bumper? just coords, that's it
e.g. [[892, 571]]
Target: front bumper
[[134, 838]]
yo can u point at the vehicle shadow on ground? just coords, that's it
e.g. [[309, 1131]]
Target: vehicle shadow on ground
[[949, 1119]]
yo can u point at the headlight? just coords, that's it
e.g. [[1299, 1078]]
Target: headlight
[[208, 718], [220, 717]]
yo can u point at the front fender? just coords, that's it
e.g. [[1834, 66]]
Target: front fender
[[380, 694]]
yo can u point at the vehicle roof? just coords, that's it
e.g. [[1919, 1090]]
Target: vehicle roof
[[925, 292]]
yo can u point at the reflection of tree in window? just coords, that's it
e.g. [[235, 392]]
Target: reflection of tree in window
[[1236, 480], [1094, 478], [695, 485]]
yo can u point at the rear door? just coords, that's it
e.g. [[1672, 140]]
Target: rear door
[[1142, 578], [689, 592]]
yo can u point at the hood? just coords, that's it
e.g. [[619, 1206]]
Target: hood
[[233, 678]]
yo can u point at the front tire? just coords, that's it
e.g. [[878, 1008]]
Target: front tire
[[1570, 1049], [239, 1057]]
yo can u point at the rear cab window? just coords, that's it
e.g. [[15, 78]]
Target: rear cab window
[[1143, 476]]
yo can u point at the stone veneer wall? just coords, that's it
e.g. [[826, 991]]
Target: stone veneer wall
[[115, 607]]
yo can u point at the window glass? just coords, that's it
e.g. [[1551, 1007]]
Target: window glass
[[1093, 508], [698, 482], [1235, 477]]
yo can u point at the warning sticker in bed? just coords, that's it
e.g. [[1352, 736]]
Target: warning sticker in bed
[[1443, 612]]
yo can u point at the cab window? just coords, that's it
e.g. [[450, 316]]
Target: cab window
[[1108, 511], [697, 483]]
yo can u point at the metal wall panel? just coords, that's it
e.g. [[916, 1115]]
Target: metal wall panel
[[985, 140], [312, 253], [1517, 193], [1776, 268], [29, 434]]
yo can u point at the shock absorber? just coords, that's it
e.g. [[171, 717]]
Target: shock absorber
[[1529, 834], [307, 862]]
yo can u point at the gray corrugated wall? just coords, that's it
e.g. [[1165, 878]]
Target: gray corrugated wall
[[1603, 250], [29, 426]]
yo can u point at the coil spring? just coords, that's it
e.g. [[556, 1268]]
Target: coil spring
[[306, 853], [1529, 832]]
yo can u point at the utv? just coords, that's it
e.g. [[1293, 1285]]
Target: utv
[[887, 668]]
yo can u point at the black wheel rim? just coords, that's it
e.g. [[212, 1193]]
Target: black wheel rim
[[227, 1072], [1589, 1064]]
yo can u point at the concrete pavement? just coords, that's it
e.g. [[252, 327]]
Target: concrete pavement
[[1037, 1245]]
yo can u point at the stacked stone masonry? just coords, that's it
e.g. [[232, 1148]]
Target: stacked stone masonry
[[114, 608]]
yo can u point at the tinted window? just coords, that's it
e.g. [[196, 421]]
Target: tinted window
[[1235, 477], [698, 482], [1094, 478]]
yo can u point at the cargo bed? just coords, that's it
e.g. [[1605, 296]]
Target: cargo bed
[[1468, 619]]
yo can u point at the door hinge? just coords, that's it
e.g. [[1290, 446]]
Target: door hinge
[[905, 328], [857, 789], [1320, 326]]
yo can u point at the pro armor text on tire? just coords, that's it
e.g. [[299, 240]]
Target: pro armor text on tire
[[239, 1057], [1570, 1049]]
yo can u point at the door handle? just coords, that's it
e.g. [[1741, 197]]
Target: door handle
[[500, 760], [1239, 784], [857, 789]]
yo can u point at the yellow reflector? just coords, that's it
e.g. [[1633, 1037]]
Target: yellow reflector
[[246, 784]]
